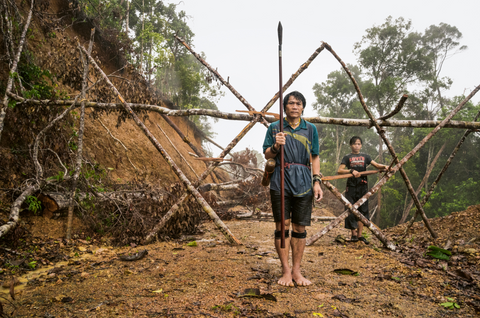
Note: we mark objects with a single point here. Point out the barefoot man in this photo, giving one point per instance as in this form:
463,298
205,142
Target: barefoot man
300,140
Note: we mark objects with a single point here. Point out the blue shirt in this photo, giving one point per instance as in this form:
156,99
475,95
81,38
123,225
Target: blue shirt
301,142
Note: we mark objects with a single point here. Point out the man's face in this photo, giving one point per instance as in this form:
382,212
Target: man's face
294,108
356,146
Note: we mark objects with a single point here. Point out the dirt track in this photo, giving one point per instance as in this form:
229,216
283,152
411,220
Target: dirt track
177,280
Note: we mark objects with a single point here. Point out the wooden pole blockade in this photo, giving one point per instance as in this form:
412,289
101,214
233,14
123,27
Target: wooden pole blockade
233,143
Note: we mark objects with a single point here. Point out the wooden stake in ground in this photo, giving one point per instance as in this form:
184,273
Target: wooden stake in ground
206,207
353,209
406,212
81,128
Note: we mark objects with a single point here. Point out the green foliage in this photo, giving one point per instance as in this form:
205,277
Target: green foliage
451,304
438,253
227,308
32,264
38,83
33,203
58,177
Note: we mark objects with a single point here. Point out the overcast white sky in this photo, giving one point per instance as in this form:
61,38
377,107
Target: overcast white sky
239,38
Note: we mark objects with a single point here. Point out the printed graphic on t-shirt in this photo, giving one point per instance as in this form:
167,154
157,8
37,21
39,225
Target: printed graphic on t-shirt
357,162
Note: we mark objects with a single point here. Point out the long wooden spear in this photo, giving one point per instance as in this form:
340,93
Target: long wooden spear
282,157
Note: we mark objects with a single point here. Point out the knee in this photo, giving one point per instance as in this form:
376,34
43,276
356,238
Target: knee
299,235
278,234
298,228
278,225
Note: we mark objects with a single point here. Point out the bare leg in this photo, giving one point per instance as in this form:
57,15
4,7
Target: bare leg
298,246
360,228
286,279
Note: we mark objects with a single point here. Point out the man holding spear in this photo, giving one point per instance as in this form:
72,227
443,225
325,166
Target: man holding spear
300,141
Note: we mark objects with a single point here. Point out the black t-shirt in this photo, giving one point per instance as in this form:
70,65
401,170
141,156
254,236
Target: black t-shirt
357,162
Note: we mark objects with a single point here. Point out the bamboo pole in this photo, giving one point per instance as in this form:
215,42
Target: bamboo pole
381,132
220,78
455,124
13,70
185,139
78,164
232,144
206,207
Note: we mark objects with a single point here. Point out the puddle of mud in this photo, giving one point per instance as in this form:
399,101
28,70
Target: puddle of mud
23,280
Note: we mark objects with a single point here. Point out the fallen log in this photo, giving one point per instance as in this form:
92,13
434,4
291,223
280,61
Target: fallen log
228,186
53,202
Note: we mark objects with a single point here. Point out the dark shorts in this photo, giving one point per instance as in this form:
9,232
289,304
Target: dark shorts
353,194
299,210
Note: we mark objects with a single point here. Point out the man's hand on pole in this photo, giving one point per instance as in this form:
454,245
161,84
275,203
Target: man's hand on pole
280,139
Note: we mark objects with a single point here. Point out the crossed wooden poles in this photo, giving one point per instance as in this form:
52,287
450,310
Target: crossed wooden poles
397,165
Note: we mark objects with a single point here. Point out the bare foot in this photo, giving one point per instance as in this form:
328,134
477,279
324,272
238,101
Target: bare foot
300,280
286,280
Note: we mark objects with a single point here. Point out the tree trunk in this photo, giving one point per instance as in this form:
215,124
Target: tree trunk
13,70
128,15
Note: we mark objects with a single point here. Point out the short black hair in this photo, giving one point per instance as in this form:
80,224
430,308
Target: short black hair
297,95
354,139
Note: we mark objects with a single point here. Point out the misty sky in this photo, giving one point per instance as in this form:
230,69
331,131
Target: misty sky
239,38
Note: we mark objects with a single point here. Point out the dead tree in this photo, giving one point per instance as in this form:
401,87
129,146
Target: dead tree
78,163
13,70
